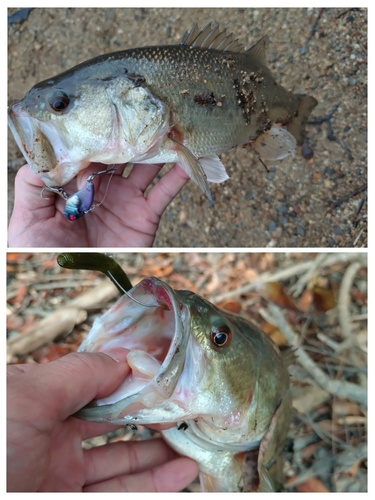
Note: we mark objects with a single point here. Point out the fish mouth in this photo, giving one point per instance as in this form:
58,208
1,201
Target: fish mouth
42,146
22,128
155,328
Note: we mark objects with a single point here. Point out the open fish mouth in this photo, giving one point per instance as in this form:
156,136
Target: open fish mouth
154,327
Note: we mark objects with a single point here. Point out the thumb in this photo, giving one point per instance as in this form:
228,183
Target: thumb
54,391
85,376
27,192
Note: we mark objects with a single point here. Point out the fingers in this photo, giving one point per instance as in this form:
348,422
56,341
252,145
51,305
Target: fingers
143,174
170,476
60,388
121,458
27,196
29,209
28,187
88,376
166,189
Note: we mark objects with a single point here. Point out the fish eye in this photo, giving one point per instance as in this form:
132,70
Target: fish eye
59,101
221,335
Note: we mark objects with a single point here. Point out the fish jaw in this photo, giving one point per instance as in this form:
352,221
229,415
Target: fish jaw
43,147
157,337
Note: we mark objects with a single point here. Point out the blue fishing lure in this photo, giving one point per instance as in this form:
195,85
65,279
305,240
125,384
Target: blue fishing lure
81,202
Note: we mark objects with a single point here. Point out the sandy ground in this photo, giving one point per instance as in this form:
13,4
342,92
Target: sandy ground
291,206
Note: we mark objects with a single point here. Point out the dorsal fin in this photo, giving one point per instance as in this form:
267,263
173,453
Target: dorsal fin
259,50
210,37
289,355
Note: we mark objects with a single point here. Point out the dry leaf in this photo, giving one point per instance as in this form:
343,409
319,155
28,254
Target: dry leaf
312,485
230,305
276,293
323,299
305,302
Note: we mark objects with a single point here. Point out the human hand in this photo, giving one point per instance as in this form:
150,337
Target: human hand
126,218
44,442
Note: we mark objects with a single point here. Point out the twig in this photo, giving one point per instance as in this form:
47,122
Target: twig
330,134
295,270
324,434
335,346
357,237
341,462
348,196
315,25
335,387
346,11
268,276
343,305
359,208
343,308
52,285
297,288
60,322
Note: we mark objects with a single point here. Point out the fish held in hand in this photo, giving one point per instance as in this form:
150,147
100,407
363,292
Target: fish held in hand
181,103
217,377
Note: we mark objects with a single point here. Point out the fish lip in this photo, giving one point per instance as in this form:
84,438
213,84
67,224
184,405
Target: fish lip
148,291
20,124
51,167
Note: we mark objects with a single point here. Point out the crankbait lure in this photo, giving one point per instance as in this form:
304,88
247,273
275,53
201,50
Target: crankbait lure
81,202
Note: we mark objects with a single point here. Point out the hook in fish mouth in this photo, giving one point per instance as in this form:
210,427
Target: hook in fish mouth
157,341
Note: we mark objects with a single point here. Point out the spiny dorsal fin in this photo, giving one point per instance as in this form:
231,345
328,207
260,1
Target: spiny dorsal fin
289,356
210,37
259,50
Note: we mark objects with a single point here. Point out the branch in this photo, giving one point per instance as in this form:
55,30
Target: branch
336,387
60,322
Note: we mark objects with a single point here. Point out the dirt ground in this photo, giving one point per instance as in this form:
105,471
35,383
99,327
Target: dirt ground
321,53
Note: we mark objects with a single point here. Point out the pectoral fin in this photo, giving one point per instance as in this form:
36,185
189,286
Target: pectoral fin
270,458
192,167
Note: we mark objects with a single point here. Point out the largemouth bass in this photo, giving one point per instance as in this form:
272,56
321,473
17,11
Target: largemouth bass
213,374
181,103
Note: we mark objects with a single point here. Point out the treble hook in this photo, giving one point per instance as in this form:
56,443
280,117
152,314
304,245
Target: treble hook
55,189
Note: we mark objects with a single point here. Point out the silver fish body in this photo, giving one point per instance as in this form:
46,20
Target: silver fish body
185,103
215,375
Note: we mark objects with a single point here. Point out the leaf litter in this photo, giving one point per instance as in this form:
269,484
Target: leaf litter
316,302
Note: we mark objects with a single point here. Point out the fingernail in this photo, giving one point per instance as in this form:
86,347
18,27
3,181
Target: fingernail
119,354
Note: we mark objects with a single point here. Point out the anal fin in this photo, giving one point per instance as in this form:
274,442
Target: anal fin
213,169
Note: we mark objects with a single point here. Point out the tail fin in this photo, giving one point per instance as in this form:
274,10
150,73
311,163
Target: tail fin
306,105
